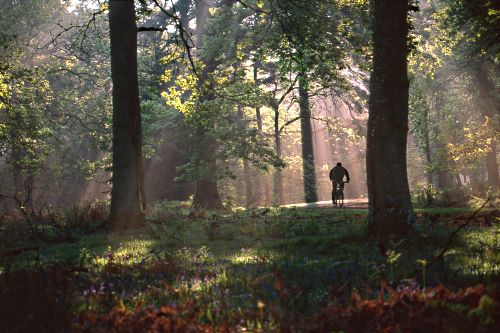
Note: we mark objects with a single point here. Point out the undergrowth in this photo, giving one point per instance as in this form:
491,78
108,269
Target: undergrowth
264,270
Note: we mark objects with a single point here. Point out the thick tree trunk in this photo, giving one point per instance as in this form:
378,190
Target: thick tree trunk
308,165
127,192
489,109
390,208
207,193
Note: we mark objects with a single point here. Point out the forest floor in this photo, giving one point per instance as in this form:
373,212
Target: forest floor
359,203
287,269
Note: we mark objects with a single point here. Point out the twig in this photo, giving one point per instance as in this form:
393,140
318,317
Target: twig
183,34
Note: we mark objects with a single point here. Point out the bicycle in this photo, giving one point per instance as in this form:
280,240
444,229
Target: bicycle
338,194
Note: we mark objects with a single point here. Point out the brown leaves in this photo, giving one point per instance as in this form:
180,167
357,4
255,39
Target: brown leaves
170,318
481,219
434,310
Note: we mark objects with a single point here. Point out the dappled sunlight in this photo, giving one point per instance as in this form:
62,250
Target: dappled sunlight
165,166
254,256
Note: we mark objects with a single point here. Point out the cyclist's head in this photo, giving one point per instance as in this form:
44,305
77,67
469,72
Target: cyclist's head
339,164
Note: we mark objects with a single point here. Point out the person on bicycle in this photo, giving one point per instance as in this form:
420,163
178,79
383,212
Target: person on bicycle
337,175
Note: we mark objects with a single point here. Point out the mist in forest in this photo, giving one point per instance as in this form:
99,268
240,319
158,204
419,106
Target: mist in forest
249,166
243,149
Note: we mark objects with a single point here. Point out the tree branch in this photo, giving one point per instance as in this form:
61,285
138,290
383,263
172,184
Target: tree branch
187,42
141,29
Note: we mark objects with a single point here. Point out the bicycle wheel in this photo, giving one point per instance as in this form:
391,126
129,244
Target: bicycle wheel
336,200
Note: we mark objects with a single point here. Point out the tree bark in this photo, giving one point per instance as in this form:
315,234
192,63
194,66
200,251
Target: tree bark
428,155
207,193
249,196
260,184
427,146
390,208
17,172
308,165
489,109
278,175
444,179
127,193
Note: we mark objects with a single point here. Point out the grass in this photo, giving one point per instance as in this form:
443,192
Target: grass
288,260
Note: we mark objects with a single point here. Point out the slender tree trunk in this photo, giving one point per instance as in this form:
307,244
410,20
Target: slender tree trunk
278,175
427,146
489,109
249,196
428,156
260,183
17,172
444,179
127,192
256,82
308,165
390,208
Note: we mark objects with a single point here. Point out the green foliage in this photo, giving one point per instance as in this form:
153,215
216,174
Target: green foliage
158,122
24,128
449,106
208,109
475,24
474,146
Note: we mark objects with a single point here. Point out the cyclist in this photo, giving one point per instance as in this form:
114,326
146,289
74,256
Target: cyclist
337,175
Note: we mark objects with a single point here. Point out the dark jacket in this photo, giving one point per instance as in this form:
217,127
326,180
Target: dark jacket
337,174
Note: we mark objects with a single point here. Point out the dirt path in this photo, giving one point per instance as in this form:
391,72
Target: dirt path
360,203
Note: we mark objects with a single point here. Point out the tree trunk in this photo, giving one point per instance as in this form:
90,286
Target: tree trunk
427,146
127,193
17,172
278,175
207,193
249,196
489,109
428,155
308,165
260,184
443,178
390,208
